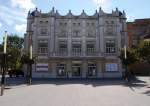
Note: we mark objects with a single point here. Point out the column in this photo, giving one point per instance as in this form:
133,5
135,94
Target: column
99,69
83,38
69,69
97,45
54,73
84,68
52,36
101,34
69,38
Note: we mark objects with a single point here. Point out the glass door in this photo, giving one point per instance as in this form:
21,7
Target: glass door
92,72
76,70
61,70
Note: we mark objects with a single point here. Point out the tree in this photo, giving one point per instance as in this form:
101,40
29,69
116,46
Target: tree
132,56
25,58
144,51
130,59
14,47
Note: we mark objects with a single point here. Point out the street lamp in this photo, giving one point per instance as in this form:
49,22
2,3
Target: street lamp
4,64
30,58
126,64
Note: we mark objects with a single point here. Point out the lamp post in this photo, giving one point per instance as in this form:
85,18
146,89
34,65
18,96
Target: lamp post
30,58
126,67
4,64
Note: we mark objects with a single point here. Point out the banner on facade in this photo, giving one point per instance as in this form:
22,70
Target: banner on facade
42,67
111,67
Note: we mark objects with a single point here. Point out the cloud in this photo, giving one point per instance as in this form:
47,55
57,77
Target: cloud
14,12
0,24
10,17
23,4
20,28
106,4
130,17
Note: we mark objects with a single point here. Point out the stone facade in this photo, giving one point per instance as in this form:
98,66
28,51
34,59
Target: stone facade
74,46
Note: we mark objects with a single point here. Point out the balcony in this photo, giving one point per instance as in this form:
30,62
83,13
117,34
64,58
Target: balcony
60,53
42,51
110,54
91,52
76,52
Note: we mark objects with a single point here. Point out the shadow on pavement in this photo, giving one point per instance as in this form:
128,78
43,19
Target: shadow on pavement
147,92
39,81
16,81
138,83
94,82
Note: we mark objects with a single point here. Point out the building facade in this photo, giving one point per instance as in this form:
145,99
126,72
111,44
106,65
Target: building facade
137,30
72,46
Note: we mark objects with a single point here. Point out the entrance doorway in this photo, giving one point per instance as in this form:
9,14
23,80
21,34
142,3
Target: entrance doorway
92,71
76,70
61,70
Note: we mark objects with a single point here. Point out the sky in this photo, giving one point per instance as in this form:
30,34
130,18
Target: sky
13,13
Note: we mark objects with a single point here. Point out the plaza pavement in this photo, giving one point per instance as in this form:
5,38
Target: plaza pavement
108,92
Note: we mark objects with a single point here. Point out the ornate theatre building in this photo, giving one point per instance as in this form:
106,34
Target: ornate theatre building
76,46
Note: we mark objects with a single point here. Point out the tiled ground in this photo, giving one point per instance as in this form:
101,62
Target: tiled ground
77,93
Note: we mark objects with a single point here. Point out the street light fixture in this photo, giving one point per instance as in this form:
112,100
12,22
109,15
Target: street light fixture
29,78
4,64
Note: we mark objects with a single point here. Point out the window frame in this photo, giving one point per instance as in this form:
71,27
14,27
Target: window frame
110,46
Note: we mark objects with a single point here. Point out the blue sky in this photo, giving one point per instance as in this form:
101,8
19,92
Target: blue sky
13,13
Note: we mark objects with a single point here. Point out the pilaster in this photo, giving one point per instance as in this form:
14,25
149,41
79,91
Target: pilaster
69,68
84,68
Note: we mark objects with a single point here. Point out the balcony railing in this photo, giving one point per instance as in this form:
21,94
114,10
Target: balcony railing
60,53
43,51
110,54
91,52
76,52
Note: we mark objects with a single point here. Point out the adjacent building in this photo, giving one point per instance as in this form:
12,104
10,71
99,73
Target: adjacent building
76,46
137,30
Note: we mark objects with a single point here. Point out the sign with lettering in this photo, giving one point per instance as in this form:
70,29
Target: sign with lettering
42,67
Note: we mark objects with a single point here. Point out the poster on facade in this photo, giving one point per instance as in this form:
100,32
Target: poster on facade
42,67
111,67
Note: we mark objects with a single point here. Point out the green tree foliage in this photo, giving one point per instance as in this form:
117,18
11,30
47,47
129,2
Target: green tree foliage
144,51
25,58
14,47
132,56
15,41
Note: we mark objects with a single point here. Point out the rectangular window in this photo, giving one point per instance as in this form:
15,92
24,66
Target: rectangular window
110,46
62,49
42,46
76,33
111,67
63,33
109,29
91,33
90,48
76,48
43,31
147,43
